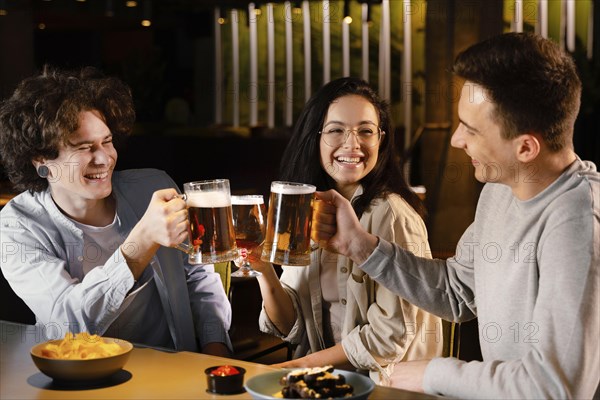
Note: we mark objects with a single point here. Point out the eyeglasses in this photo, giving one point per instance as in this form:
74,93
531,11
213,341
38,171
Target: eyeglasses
336,135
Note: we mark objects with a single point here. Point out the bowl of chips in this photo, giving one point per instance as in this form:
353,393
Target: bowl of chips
81,357
319,382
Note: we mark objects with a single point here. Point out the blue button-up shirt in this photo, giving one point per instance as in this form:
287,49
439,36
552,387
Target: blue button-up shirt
42,259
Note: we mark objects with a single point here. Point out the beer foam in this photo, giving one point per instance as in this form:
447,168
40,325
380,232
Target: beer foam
208,199
247,200
286,188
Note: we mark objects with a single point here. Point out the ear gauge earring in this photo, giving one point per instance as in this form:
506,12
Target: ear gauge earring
43,171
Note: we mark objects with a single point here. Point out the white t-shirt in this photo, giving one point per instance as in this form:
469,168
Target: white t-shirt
100,243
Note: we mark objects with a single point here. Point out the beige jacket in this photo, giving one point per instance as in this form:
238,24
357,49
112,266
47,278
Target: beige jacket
379,328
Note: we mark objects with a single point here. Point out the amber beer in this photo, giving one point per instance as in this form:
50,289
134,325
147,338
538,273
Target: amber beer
248,219
289,219
212,235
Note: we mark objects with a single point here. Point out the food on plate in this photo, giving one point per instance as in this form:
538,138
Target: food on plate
225,370
314,383
81,346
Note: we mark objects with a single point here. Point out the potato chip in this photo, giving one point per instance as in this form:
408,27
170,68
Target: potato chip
81,346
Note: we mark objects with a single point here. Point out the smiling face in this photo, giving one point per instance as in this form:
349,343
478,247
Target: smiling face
81,176
348,163
480,136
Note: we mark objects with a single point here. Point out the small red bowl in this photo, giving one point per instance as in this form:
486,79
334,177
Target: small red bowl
225,384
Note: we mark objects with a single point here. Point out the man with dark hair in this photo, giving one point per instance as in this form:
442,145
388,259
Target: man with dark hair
529,265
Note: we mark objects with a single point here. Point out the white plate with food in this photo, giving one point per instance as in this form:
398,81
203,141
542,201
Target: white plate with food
310,382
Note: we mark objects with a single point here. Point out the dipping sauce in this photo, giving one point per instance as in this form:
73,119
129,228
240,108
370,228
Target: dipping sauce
225,370
225,379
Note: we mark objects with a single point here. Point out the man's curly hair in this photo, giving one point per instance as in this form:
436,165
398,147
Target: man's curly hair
44,111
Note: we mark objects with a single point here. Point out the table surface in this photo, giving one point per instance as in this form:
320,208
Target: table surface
149,374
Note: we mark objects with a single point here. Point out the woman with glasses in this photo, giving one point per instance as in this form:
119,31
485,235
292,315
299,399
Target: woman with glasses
331,311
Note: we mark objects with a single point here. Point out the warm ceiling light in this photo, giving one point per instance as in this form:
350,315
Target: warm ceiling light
221,21
347,18
147,13
131,3
3,12
108,9
257,11
297,10
41,26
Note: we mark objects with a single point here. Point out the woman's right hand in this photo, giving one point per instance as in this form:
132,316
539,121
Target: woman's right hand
253,257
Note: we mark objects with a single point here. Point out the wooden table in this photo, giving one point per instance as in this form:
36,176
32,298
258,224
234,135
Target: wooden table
149,374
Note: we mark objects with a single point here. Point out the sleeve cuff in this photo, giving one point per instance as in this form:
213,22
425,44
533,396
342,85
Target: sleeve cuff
120,277
357,353
378,258
214,332
298,331
439,375
267,326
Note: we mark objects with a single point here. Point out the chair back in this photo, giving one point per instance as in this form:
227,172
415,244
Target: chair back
12,308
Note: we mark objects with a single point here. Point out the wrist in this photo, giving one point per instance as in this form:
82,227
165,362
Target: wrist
266,269
137,251
362,247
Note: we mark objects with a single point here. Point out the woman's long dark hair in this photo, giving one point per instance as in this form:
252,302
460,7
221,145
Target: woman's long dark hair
301,160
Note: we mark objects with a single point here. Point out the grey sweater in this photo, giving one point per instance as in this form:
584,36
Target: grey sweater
530,271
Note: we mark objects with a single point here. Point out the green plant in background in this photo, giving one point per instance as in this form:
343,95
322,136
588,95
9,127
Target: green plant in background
587,126
398,88
585,137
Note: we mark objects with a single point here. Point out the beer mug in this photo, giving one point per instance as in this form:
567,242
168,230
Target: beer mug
212,236
289,220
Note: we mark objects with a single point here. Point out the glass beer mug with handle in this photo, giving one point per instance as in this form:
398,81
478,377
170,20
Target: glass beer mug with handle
212,235
289,220
249,222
